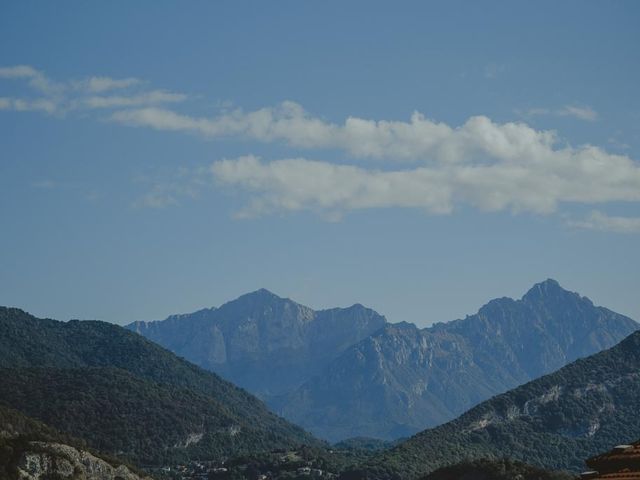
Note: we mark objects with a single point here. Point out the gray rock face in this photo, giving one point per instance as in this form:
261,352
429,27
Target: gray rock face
555,421
402,379
46,460
345,373
266,344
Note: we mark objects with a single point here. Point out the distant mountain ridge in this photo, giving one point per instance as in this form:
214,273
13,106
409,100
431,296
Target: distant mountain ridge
261,342
402,379
344,373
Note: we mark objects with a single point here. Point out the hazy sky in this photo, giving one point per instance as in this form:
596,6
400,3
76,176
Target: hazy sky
420,158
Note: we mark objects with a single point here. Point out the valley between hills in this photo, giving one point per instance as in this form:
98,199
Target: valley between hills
265,388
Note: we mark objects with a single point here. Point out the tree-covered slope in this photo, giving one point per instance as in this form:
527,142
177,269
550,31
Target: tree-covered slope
121,414
503,469
15,424
29,449
556,421
72,349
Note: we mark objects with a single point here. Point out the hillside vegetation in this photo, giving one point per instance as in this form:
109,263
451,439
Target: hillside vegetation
30,449
126,395
554,422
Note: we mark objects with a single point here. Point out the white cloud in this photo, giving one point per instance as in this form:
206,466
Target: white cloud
147,98
488,165
168,190
83,94
484,164
156,198
580,112
480,163
419,139
36,79
602,222
288,122
103,84
301,184
19,71
21,105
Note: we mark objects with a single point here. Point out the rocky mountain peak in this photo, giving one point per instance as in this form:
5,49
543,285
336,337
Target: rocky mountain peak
262,294
548,290
255,304
401,327
402,378
357,310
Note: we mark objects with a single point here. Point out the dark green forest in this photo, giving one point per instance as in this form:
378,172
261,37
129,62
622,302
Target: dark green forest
503,469
127,396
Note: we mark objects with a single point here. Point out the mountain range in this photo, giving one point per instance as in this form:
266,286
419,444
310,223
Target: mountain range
73,392
344,373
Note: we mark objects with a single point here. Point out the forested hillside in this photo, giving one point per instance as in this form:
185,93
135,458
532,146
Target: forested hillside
124,394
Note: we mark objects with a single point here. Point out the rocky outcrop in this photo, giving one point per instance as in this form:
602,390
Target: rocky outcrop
43,460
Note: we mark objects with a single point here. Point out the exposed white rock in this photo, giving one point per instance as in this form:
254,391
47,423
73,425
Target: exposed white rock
45,459
191,439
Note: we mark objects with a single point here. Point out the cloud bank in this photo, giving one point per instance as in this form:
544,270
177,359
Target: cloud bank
418,163
301,184
429,165
419,139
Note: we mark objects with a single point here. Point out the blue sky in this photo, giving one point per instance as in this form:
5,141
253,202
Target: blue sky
420,158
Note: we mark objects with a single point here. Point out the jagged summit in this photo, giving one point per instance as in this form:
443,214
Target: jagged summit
393,378
549,289
356,309
402,378
261,293
549,283
550,292
356,306
263,342
262,296
201,312
263,306
401,326
555,421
